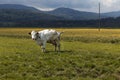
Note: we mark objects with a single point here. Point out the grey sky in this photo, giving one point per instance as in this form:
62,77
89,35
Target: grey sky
84,5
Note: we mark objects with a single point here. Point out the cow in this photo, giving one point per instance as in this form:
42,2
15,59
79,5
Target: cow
47,36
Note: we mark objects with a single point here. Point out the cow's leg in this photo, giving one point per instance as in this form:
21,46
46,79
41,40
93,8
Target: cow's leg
55,44
43,49
43,46
58,45
55,47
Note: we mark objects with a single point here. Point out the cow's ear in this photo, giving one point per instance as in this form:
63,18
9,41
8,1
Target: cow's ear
29,33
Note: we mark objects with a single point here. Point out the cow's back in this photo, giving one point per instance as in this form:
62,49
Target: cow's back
49,34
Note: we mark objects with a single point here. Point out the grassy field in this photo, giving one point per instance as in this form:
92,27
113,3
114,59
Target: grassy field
87,54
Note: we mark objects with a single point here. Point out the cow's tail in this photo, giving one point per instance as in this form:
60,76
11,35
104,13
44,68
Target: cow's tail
59,37
61,33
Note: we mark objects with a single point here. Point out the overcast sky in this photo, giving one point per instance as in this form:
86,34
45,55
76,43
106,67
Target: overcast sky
83,5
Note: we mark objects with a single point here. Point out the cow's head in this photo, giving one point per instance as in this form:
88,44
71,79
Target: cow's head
34,35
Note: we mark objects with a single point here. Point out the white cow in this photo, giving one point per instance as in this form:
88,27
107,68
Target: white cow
47,36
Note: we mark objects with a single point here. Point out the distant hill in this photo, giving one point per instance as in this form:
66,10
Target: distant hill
18,7
21,12
72,14
20,15
62,13
112,14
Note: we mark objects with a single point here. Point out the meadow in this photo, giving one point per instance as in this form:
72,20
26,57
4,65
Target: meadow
86,54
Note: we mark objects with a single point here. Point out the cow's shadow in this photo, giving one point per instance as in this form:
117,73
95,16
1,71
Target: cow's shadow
62,51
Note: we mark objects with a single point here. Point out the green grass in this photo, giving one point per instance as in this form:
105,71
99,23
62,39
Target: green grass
22,59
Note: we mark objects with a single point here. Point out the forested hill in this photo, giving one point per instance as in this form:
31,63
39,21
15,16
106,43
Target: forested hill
71,14
18,7
14,15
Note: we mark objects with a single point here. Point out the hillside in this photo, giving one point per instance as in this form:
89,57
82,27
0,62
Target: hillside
57,14
72,14
13,12
18,7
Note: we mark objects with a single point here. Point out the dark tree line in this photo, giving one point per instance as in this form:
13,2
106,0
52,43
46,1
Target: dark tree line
105,23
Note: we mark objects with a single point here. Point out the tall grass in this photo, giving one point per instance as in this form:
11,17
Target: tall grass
86,55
